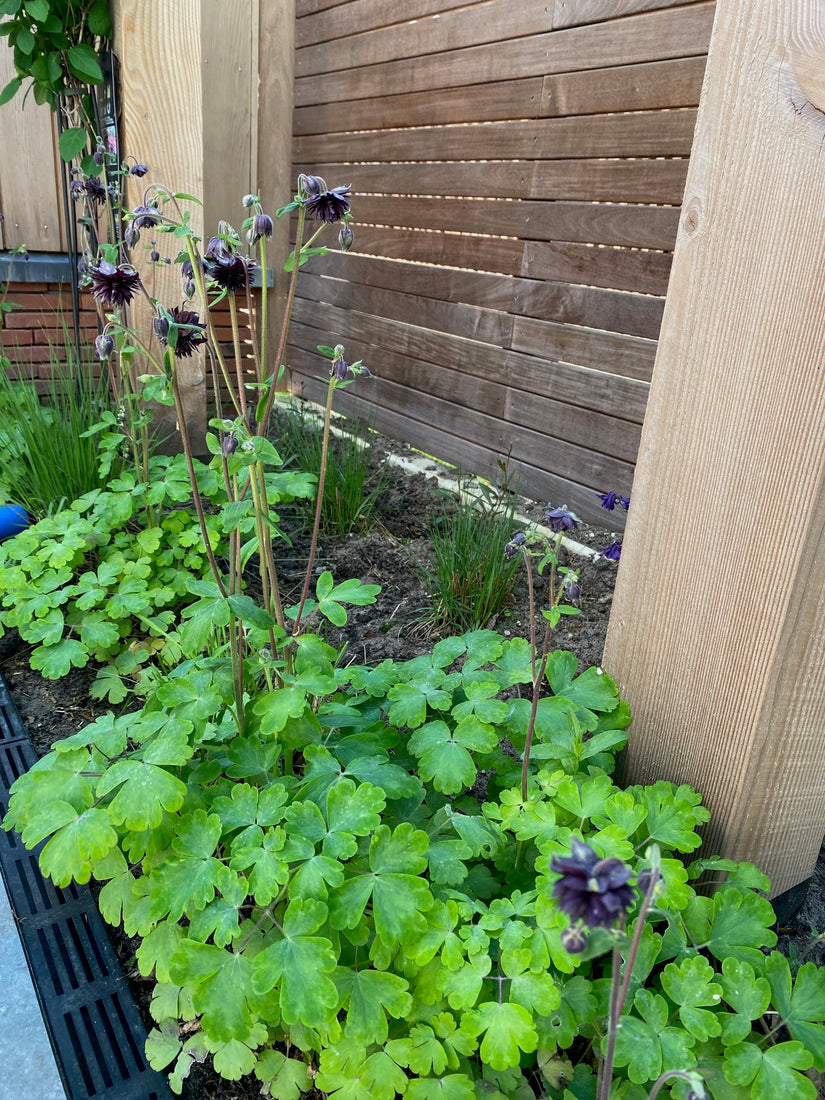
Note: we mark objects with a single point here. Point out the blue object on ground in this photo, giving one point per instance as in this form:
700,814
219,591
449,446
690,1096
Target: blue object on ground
13,519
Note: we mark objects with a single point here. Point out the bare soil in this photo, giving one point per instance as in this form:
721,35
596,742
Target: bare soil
398,626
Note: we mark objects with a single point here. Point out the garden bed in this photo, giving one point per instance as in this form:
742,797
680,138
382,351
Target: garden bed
397,626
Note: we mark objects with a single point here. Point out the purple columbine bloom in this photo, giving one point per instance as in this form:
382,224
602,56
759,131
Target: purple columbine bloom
77,189
514,545
191,333
116,286
326,204
561,519
261,227
592,890
231,272
609,500
572,589
138,170
625,502
614,551
145,217
229,445
339,368
95,190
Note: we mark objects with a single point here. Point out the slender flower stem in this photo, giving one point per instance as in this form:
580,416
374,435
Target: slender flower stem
318,505
290,299
260,346
659,1084
236,345
197,274
531,595
531,725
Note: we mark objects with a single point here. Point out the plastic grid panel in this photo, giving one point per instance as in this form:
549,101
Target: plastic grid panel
93,1023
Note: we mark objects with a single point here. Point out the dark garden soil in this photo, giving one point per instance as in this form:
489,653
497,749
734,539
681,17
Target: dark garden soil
399,626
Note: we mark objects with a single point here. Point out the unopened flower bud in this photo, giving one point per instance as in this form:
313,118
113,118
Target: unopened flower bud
249,200
189,289
574,939
154,256
645,877
99,155
346,238
229,445
339,368
261,227
310,187
131,236
104,345
572,589
514,545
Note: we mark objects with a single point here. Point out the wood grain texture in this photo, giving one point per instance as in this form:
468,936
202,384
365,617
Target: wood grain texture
363,15
625,88
32,213
574,13
655,36
637,134
717,634
637,270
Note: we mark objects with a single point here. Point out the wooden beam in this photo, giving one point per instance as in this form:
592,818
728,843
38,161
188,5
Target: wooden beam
717,634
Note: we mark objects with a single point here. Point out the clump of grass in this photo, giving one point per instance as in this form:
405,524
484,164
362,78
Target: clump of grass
470,578
351,487
45,456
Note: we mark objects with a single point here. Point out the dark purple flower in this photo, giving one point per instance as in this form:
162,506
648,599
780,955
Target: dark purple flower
572,589
231,272
99,154
145,217
139,170
614,551
261,227
95,190
154,256
77,190
625,502
229,445
609,500
190,331
326,204
561,519
574,939
116,286
592,890
339,368
104,345
514,545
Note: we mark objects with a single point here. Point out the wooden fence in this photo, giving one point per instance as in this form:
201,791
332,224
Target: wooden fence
517,171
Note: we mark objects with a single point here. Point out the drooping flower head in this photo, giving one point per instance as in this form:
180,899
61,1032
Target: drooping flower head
325,204
230,271
190,332
262,226
592,890
138,170
114,285
572,588
145,217
609,500
95,190
104,345
346,238
613,552
561,519
514,545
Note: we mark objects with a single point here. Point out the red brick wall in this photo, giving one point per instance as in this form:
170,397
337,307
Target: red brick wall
32,334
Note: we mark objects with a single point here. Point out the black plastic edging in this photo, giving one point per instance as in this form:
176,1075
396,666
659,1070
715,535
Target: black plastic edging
91,1018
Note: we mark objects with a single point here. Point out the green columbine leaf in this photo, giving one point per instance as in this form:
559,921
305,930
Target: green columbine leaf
576,1012
801,1007
145,792
455,1086
594,690
691,987
583,797
222,987
443,760
369,996
647,1046
300,966
771,1072
77,845
399,897
747,995
163,1045
286,1078
507,1028
55,661
409,702
673,814
731,924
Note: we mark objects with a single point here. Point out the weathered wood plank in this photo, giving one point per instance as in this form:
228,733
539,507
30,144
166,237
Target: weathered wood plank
362,15
588,223
677,32
497,254
489,21
728,515
638,270
504,99
355,277
574,13
638,134
627,355
595,388
625,88
633,180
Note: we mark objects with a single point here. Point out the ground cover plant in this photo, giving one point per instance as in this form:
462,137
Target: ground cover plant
406,878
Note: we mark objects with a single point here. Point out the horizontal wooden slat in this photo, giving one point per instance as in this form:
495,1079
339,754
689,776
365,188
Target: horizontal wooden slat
625,88
601,388
627,355
489,21
312,7
677,32
638,134
632,180
360,15
526,447
497,254
349,280
588,223
470,456
619,268
573,13
505,99
575,425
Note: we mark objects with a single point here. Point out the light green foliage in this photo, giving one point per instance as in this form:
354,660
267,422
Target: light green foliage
406,942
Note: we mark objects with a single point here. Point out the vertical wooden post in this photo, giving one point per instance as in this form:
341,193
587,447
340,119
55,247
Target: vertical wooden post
717,634
189,76
275,175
